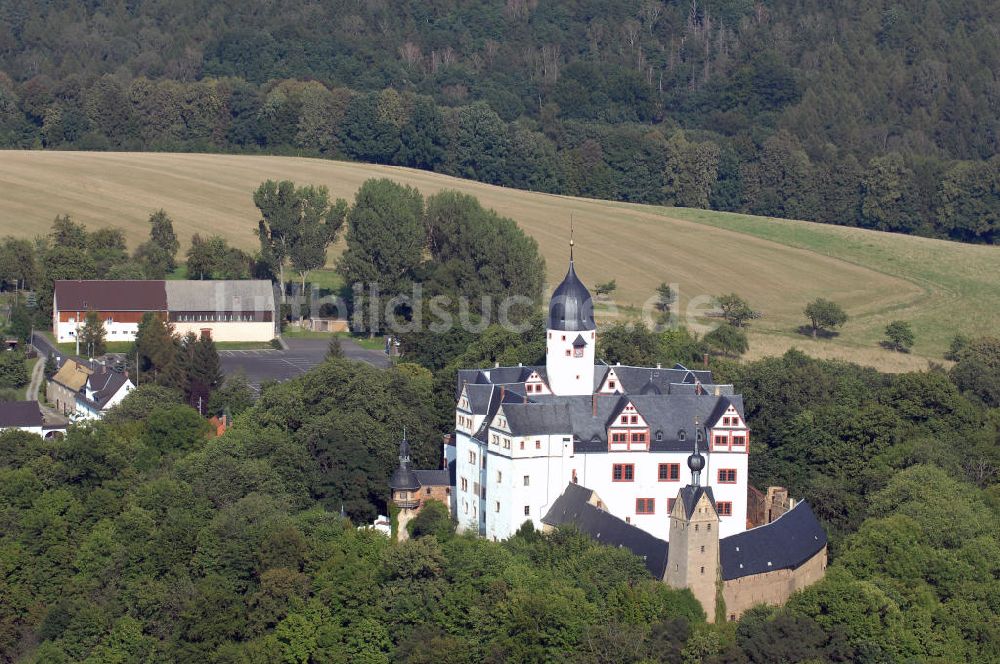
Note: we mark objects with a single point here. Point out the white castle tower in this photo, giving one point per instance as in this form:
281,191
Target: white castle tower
571,337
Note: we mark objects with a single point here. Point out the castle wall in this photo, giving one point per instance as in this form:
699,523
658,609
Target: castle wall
771,587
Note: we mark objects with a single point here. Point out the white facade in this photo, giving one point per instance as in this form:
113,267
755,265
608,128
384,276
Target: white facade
67,331
524,475
89,410
228,331
522,434
569,360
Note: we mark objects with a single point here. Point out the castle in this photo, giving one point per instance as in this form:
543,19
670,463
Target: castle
637,457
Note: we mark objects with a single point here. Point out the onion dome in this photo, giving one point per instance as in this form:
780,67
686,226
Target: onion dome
571,307
696,462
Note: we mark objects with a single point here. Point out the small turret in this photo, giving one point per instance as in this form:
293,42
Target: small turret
571,336
404,482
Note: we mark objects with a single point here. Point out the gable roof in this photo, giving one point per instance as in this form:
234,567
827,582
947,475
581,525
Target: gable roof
20,414
785,543
105,385
220,295
72,374
437,477
109,295
574,507
691,495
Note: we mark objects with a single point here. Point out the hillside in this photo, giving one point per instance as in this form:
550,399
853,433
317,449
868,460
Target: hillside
880,114
943,288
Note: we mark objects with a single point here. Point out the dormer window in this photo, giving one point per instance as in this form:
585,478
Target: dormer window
659,435
682,435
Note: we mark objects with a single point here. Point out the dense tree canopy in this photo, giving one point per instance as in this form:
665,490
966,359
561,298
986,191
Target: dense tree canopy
880,116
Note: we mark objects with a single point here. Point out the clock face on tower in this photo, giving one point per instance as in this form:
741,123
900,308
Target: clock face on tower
578,352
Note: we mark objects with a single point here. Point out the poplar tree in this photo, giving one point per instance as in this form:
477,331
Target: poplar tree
93,335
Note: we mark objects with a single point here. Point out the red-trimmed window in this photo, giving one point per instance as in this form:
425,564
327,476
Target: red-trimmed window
639,437
727,476
611,384
724,508
669,472
619,437
634,419
739,441
721,441
624,419
725,421
623,472
645,505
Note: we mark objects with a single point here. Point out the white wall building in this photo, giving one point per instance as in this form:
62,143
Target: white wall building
523,433
227,310
103,390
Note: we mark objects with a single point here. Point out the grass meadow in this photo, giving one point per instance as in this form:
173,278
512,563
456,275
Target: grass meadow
941,288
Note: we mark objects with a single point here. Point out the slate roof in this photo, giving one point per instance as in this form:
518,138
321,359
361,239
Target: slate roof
20,414
690,495
667,415
230,295
573,507
571,307
109,295
437,477
105,384
785,543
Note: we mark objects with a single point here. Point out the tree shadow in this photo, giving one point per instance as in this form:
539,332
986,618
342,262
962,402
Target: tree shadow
888,345
806,330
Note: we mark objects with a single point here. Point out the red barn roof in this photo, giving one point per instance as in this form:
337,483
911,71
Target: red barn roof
101,295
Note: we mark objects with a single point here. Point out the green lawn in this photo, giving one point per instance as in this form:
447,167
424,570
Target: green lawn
326,279
242,345
179,274
378,343
959,283
293,332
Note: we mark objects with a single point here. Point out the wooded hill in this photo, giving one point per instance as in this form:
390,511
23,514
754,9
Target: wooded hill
882,115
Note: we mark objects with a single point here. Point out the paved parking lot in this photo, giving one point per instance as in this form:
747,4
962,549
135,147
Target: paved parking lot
301,356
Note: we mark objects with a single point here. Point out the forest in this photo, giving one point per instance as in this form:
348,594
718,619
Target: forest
882,115
144,538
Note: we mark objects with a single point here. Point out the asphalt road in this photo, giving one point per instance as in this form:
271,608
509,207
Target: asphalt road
268,364
301,356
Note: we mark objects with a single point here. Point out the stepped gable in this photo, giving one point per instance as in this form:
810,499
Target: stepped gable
575,506
785,543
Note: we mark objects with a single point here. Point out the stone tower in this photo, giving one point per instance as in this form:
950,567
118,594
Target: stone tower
405,489
693,556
